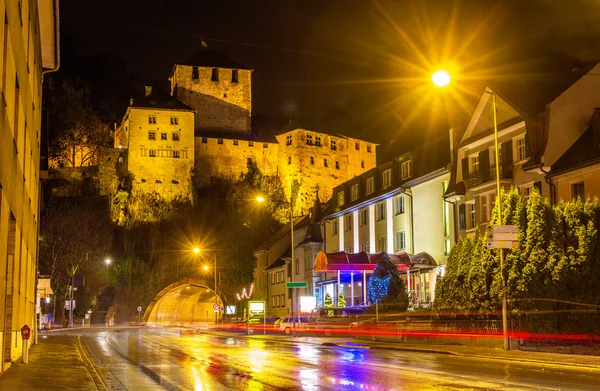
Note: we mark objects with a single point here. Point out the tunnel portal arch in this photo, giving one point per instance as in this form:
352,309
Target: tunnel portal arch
186,301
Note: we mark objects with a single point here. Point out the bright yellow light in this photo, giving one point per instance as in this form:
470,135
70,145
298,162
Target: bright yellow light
205,267
260,199
196,250
441,78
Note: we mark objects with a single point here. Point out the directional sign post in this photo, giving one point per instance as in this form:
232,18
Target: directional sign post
296,284
502,236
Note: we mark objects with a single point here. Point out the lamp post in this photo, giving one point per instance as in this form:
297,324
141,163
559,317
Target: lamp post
442,78
261,199
205,267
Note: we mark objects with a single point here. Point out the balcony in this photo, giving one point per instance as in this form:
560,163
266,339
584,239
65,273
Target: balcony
481,176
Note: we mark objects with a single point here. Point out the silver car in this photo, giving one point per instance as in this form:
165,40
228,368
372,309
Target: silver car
287,324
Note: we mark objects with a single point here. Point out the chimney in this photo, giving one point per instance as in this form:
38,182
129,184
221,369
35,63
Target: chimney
148,90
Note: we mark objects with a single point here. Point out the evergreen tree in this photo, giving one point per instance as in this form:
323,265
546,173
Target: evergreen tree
328,300
341,300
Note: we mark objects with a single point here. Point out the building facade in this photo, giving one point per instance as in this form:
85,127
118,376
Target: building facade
396,208
29,49
158,133
537,122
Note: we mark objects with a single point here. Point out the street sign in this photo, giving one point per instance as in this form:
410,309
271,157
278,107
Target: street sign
230,310
139,309
215,307
505,232
256,307
502,244
68,304
296,284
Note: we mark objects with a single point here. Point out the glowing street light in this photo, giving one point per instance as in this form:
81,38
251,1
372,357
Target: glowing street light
107,261
260,199
205,267
196,250
441,78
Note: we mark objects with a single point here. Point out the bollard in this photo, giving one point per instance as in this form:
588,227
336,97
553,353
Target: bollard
25,334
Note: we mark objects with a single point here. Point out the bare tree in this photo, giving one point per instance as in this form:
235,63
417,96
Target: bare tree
76,236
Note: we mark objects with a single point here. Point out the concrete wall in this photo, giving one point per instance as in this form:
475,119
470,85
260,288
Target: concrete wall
570,114
148,170
19,171
228,160
219,105
590,176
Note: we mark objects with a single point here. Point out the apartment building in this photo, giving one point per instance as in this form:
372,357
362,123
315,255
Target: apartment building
29,45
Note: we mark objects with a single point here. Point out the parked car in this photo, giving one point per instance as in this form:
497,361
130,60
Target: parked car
258,322
332,319
287,325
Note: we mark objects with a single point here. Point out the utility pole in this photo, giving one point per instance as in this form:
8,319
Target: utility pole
71,303
499,200
216,296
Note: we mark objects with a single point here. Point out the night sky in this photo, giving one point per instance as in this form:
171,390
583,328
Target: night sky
367,62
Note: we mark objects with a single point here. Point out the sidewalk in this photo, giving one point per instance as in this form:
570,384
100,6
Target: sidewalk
56,363
543,358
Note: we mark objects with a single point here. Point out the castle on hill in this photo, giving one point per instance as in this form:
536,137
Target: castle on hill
202,130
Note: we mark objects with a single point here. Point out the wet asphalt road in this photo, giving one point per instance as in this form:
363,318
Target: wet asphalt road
149,359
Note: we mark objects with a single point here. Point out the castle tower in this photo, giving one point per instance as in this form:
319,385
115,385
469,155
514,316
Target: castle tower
218,88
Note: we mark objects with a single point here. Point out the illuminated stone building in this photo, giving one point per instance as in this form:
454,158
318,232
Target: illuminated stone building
28,45
217,92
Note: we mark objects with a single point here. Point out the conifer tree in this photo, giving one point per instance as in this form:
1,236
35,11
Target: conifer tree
341,300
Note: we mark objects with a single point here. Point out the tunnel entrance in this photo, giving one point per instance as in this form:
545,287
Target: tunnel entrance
183,302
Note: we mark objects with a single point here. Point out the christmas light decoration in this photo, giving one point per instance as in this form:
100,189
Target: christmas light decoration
245,295
378,287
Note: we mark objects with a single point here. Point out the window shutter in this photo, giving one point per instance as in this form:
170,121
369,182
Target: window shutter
465,167
484,165
527,147
507,159
462,216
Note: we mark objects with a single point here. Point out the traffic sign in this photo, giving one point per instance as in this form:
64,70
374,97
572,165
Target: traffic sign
296,284
139,309
215,307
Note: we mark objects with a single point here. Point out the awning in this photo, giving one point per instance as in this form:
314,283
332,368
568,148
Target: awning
331,262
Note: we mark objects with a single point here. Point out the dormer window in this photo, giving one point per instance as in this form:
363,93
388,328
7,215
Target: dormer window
369,148
288,139
354,192
214,76
234,76
340,198
309,139
318,141
387,178
406,169
370,185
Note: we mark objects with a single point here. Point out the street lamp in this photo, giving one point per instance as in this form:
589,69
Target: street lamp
442,78
261,199
206,267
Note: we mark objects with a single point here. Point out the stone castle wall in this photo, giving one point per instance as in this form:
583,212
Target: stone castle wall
219,105
228,160
165,172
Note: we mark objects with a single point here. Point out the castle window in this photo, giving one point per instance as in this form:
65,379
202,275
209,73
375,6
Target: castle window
151,119
152,152
235,142
357,146
337,165
174,120
151,135
325,163
333,145
143,180
289,160
204,140
234,76
318,141
288,139
175,136
220,141
309,139
265,145
369,148
362,164
312,160
163,136
175,182
250,143
215,74
176,154
195,73
158,181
